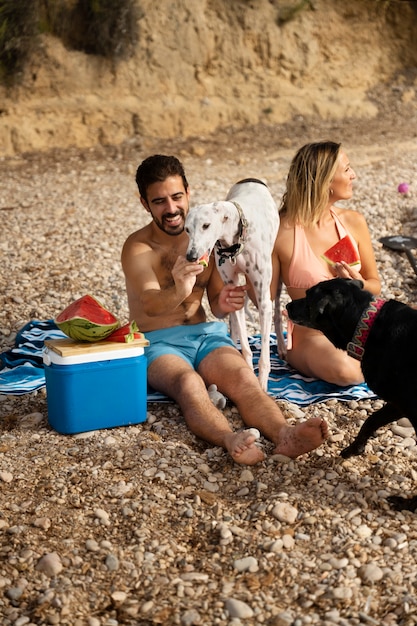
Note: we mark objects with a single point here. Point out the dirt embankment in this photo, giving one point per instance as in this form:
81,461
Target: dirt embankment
221,65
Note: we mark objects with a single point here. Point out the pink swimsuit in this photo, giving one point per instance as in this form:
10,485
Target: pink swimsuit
306,269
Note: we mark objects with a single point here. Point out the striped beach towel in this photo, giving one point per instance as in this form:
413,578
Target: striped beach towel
21,371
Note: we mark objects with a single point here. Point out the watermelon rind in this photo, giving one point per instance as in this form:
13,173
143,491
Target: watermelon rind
343,254
330,262
80,327
126,334
204,260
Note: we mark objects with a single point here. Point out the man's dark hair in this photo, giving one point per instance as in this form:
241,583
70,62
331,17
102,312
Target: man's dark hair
158,168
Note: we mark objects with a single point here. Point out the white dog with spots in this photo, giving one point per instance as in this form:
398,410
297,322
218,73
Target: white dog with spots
242,230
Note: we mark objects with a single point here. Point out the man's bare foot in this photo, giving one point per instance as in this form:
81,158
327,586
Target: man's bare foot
242,447
302,438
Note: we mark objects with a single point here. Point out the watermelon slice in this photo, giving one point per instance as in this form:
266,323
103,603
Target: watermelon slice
343,250
204,260
126,334
87,319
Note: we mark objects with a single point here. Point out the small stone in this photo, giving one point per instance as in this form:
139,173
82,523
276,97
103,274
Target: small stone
370,573
103,516
42,522
342,593
50,564
288,541
112,562
6,477
276,546
31,420
247,564
283,619
14,593
118,597
190,618
239,609
195,577
246,476
402,431
363,531
284,512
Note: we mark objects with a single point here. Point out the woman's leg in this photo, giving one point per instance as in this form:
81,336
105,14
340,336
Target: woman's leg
312,354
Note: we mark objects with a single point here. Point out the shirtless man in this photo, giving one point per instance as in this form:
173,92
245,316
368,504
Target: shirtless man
187,353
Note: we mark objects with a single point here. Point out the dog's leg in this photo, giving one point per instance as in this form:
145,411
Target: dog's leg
281,346
239,323
403,504
265,322
387,414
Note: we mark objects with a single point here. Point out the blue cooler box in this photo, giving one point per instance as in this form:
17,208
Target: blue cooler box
94,385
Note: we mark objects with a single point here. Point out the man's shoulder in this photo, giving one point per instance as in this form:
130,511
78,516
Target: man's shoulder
140,236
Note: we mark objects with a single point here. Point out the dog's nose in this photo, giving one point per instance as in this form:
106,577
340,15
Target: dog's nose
191,256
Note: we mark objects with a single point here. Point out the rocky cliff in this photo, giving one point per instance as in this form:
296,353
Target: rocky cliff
201,65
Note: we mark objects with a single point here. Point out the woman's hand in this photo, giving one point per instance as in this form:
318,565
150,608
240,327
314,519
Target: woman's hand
344,270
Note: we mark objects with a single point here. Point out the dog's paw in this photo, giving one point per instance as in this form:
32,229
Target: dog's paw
354,449
403,504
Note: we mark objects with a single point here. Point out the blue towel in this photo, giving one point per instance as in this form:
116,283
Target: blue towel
21,370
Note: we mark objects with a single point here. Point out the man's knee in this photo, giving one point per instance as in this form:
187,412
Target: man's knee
188,381
242,378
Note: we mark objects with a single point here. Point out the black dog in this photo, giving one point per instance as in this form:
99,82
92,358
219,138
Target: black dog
382,334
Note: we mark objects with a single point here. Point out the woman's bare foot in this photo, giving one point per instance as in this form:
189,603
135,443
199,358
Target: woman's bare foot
302,438
242,447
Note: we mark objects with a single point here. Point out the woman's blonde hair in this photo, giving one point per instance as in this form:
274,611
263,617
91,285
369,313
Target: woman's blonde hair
308,182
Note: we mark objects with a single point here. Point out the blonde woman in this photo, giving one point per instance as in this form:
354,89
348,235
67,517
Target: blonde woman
320,175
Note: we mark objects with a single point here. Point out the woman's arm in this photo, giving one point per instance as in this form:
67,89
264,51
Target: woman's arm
356,224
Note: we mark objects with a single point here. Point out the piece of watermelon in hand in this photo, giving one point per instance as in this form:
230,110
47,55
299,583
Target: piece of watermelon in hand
204,260
343,250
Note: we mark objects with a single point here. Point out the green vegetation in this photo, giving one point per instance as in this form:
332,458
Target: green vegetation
18,29
287,12
104,27
108,28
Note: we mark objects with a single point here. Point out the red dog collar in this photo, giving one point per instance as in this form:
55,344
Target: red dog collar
356,347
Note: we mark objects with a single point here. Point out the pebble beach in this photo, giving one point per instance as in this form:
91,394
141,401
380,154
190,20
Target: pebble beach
145,524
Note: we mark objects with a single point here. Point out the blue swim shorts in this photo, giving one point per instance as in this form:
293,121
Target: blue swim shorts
191,343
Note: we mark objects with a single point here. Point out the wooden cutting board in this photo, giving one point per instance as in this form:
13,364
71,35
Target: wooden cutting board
68,347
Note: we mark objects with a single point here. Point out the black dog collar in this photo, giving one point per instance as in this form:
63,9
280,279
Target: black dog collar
232,251
356,347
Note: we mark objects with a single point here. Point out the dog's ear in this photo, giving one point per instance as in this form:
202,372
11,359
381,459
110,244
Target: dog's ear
359,283
321,305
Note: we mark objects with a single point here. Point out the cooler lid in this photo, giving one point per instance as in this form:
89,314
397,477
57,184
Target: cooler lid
69,352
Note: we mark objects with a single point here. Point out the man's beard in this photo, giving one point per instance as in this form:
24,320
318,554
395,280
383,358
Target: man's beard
165,226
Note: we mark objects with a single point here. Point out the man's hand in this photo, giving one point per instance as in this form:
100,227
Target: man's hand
232,297
184,274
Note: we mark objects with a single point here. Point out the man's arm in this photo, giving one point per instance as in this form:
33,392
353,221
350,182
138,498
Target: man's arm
224,299
144,285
